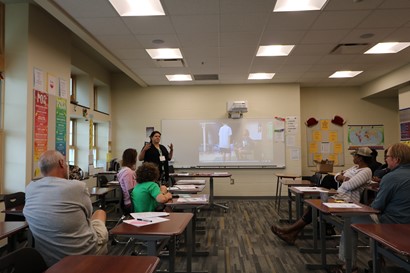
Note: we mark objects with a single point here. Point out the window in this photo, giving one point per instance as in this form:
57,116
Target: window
73,89
72,142
94,144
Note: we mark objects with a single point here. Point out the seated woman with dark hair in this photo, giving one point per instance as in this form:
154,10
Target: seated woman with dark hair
147,194
353,182
127,176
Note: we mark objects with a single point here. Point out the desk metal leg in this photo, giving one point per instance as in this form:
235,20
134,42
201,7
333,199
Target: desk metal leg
211,195
277,193
348,236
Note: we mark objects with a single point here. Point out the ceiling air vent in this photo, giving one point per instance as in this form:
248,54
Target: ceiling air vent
206,77
170,63
352,48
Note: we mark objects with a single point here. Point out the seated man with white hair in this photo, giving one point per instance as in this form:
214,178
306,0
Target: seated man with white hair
59,213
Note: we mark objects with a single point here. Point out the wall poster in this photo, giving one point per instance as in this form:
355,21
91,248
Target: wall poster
371,136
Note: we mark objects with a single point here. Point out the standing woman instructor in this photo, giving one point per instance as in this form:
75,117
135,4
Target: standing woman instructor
158,154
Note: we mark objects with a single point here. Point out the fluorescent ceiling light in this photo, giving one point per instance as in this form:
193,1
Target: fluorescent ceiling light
298,5
274,50
345,74
260,76
179,77
165,53
383,48
138,7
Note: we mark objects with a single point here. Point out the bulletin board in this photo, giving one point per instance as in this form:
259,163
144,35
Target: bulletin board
325,141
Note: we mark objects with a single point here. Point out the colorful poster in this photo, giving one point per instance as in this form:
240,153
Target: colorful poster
40,127
405,124
61,125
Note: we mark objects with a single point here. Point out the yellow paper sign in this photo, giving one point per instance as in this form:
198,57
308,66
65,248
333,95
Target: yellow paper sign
317,136
312,147
332,136
337,148
324,124
317,157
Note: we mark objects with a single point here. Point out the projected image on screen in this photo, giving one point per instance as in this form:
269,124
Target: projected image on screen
233,142
227,142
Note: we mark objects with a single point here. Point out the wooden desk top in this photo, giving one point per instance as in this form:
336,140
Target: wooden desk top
8,229
175,226
317,203
292,183
394,236
215,174
96,191
105,264
283,175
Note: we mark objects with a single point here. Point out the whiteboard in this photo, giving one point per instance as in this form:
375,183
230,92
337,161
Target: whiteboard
254,143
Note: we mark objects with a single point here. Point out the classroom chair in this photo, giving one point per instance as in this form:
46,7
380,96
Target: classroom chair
23,260
13,200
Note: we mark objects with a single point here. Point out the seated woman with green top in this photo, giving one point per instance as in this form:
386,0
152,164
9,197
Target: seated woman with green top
147,194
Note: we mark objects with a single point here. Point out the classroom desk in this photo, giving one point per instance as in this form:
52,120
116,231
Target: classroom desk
211,177
9,230
191,204
325,214
301,191
178,222
186,189
100,193
280,177
105,264
290,184
389,240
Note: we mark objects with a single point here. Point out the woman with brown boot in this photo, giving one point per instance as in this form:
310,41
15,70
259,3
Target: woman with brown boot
353,182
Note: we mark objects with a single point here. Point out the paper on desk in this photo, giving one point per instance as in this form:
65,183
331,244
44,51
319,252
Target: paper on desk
342,205
191,182
184,187
315,189
191,199
136,215
141,223
180,174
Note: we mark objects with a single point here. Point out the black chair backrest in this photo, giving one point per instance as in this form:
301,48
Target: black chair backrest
23,260
13,200
102,181
132,204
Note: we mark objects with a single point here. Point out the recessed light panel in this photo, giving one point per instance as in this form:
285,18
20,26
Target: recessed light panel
298,5
385,48
345,74
165,53
179,77
138,7
260,76
274,50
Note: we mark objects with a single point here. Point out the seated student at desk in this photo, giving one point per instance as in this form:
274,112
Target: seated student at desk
147,195
353,182
127,176
392,200
59,213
